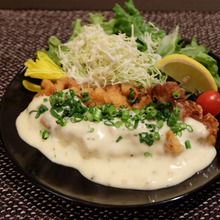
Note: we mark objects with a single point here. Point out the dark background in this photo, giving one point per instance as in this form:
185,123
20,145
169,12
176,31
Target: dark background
145,5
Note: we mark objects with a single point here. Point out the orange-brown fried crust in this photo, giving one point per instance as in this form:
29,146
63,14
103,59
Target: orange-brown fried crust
115,94
164,93
172,144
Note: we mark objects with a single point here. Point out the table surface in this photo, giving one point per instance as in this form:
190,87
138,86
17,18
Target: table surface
22,33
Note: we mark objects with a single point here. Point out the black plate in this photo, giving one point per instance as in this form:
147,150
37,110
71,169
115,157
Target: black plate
68,182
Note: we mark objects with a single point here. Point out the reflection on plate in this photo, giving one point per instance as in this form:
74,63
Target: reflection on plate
68,182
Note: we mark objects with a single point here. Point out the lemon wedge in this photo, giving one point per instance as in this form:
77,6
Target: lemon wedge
191,74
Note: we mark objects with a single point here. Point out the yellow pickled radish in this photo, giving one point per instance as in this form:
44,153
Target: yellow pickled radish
31,86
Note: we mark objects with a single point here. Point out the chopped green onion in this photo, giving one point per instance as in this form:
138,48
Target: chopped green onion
183,125
90,104
151,112
187,144
147,154
125,115
151,127
88,116
118,139
112,110
131,98
179,133
40,110
135,118
166,113
129,125
136,122
189,128
176,95
86,99
84,94
54,113
61,122
44,133
97,114
160,124
109,123
163,105
176,110
118,124
172,120
91,130
146,137
76,118
156,136
136,111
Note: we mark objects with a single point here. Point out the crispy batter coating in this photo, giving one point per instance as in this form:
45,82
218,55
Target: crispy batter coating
115,94
47,88
172,144
190,109
163,93
212,125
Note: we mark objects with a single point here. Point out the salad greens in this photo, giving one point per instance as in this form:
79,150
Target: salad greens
148,36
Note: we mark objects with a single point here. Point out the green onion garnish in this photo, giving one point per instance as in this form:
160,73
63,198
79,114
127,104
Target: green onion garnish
131,98
44,133
160,124
187,144
91,130
67,106
156,136
147,154
176,95
118,139
40,110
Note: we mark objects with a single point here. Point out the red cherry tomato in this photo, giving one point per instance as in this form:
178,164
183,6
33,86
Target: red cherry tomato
210,102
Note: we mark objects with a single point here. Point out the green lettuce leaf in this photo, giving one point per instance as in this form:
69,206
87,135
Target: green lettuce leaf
76,29
101,20
124,21
211,64
170,43
193,49
53,44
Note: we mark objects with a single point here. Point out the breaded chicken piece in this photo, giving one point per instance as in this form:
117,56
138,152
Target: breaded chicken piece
47,88
98,96
212,125
172,144
65,83
190,109
163,93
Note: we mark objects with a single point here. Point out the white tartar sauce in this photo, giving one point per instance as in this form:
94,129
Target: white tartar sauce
121,164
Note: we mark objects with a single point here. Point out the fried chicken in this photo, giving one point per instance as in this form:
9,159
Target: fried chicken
117,95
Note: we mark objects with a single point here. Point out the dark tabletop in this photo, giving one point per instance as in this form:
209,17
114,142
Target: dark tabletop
22,33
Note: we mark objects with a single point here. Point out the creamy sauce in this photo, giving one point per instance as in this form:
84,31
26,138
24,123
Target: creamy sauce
101,159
